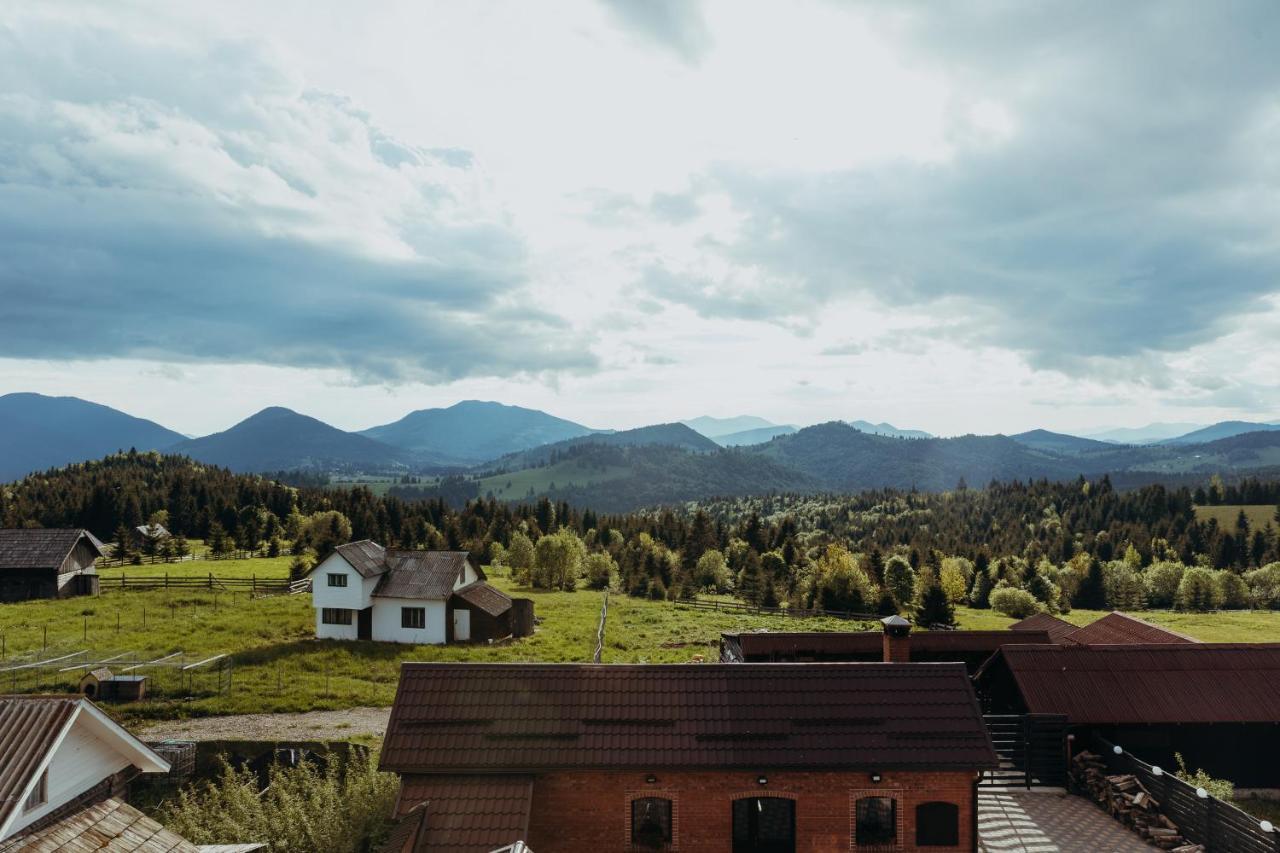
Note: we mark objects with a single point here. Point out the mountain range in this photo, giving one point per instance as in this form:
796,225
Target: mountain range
515,453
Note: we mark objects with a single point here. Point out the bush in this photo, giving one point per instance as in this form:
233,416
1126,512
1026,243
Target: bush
1197,591
1123,586
1161,580
1264,586
900,579
558,560
1223,789
839,583
600,570
712,572
1014,602
1233,592
345,808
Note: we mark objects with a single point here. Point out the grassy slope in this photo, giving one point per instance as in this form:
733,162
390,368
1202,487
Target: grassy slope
272,639
571,472
1259,515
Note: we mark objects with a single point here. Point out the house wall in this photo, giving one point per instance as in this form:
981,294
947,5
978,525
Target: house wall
79,764
386,621
81,559
467,576
590,811
355,596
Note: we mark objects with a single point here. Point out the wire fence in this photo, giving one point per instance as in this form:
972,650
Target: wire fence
1201,817
171,675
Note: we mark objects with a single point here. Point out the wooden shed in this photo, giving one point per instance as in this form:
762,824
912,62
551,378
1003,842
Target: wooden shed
102,685
48,563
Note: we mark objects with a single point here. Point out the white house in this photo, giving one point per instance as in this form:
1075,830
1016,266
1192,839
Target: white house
363,591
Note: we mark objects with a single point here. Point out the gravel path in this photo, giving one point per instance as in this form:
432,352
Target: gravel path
312,725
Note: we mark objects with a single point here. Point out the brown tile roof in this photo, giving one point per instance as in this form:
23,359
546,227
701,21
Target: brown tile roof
493,601
366,557
29,726
41,548
421,574
1117,627
460,814
869,645
513,718
1053,626
1159,683
109,825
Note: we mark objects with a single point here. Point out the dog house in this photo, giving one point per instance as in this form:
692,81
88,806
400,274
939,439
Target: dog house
104,686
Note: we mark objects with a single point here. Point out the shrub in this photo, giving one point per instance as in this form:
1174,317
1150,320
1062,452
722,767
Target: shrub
1264,586
558,560
344,808
1014,602
1197,591
1161,580
600,570
839,583
712,572
1123,586
1233,592
1223,789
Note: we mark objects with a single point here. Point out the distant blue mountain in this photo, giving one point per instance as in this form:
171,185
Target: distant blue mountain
887,429
717,427
752,436
1222,429
1057,442
39,432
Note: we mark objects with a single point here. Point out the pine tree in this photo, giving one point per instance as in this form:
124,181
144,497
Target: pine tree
124,543
1092,592
935,609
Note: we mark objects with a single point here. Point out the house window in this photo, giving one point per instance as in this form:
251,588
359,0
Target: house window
39,794
877,822
651,823
337,579
937,825
764,825
413,617
335,616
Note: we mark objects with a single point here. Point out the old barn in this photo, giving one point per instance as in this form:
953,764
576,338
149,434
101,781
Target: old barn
54,563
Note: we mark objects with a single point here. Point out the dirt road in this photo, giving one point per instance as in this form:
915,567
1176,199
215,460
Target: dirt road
312,725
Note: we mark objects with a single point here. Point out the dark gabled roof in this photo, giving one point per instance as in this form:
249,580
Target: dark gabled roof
1117,627
1158,683
870,644
40,548
460,814
365,556
1053,626
108,825
520,718
421,574
493,601
29,727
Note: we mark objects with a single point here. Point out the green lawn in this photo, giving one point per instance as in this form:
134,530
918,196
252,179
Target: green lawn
279,666
268,568
1259,515
575,472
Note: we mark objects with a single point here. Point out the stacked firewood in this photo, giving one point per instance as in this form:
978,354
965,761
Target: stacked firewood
1129,802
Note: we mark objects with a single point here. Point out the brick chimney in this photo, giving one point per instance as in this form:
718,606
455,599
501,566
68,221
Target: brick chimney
897,639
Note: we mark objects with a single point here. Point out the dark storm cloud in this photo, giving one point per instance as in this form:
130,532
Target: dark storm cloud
232,216
675,25
1132,208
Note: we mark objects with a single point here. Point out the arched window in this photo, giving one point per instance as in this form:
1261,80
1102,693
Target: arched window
651,823
937,825
877,821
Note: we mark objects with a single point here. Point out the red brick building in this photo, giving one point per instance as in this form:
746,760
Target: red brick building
762,758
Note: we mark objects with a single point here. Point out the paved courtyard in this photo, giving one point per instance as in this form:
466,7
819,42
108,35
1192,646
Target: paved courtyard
1032,822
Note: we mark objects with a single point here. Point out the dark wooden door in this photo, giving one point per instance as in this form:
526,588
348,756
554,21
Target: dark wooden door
764,825
364,624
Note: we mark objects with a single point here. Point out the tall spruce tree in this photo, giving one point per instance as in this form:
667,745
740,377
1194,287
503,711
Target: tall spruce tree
1092,592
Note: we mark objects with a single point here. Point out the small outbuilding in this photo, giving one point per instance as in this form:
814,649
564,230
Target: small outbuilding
102,685
48,563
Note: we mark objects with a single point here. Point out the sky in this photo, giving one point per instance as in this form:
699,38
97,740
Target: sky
979,217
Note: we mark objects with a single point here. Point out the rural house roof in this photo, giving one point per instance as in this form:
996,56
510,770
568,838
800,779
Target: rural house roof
1048,623
421,574
366,557
40,548
30,729
108,825
1117,627
868,644
518,718
151,531
491,600
1157,683
460,814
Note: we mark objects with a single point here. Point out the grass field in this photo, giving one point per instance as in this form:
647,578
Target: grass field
265,568
1259,515
518,484
279,666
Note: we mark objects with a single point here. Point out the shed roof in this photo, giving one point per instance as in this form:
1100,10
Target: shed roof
461,814
110,825
513,718
42,548
1155,683
1117,627
491,600
365,556
871,643
1053,626
421,574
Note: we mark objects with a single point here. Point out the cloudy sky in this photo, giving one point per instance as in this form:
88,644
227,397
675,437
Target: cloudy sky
958,217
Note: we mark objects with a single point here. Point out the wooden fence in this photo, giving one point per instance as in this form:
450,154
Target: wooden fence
757,610
253,586
1032,749
1207,820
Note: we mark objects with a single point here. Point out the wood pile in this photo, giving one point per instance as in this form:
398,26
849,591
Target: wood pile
1129,802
